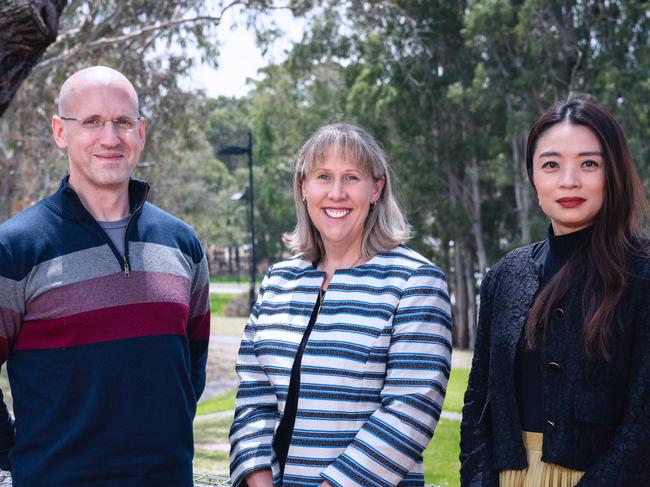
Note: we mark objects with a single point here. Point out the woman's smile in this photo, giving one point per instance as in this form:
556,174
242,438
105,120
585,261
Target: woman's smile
337,212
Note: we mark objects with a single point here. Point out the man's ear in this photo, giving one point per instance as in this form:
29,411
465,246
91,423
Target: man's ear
58,133
142,130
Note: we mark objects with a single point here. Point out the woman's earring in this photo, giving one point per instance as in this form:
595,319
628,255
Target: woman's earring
373,205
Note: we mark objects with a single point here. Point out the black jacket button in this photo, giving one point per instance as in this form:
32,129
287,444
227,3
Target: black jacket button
559,313
554,365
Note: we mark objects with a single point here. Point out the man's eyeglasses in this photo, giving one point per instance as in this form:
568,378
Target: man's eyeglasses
122,124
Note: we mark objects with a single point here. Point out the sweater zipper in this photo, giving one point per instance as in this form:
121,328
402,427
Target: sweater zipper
127,266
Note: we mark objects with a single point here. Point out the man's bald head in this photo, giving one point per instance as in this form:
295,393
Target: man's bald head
99,127
95,76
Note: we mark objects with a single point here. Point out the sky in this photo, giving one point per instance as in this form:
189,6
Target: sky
240,58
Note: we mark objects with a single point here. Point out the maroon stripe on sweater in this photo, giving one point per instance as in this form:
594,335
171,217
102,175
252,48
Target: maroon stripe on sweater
103,325
199,327
106,292
10,321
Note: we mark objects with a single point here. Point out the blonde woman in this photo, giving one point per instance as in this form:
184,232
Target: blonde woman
345,359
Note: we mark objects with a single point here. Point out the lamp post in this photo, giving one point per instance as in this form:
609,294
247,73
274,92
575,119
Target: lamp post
248,194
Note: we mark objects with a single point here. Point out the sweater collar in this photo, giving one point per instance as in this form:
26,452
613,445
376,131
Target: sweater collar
66,203
562,247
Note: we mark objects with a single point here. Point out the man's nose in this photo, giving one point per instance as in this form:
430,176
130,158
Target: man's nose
108,134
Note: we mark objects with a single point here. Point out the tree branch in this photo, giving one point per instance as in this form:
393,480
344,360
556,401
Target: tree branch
156,28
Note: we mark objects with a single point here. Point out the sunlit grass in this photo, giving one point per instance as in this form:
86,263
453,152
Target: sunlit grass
224,402
441,464
211,448
456,390
218,302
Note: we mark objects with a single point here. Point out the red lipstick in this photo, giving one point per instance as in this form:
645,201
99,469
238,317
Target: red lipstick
570,202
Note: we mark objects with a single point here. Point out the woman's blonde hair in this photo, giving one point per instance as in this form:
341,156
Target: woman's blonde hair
385,226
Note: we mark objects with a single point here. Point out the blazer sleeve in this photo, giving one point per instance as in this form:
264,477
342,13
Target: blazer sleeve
251,434
626,462
393,438
12,310
475,448
198,329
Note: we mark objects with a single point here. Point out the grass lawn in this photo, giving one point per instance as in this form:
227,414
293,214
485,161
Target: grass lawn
441,464
211,447
223,325
456,390
224,402
218,301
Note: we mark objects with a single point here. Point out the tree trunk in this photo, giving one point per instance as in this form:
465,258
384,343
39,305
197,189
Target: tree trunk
471,300
524,188
460,290
521,190
27,27
475,213
460,296
522,198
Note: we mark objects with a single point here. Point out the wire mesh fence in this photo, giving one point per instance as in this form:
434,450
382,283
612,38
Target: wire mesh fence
205,480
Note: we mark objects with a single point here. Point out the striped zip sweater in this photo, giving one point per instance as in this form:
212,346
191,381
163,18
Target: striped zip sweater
105,353
373,373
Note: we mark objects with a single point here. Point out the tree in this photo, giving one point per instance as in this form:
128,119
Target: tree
451,90
27,28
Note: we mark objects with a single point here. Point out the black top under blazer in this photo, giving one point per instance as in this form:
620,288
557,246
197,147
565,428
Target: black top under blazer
597,413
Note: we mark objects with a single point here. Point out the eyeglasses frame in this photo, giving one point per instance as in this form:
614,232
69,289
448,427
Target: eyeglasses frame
75,119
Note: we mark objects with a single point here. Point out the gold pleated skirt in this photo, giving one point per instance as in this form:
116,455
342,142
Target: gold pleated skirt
538,473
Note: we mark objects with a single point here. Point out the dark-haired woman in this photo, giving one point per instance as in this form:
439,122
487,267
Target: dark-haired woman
559,392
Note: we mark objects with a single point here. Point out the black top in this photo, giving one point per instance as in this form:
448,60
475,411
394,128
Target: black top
528,363
598,411
283,435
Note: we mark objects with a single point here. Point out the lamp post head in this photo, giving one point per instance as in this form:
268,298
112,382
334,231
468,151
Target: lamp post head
240,195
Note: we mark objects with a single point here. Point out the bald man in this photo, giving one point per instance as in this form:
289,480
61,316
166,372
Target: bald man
104,312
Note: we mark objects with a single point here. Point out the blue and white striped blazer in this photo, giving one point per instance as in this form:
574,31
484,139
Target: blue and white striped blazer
373,375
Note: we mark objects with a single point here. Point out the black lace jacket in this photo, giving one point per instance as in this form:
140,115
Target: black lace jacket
598,413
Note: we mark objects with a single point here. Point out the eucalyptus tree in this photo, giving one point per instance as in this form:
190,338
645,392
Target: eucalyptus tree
451,89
